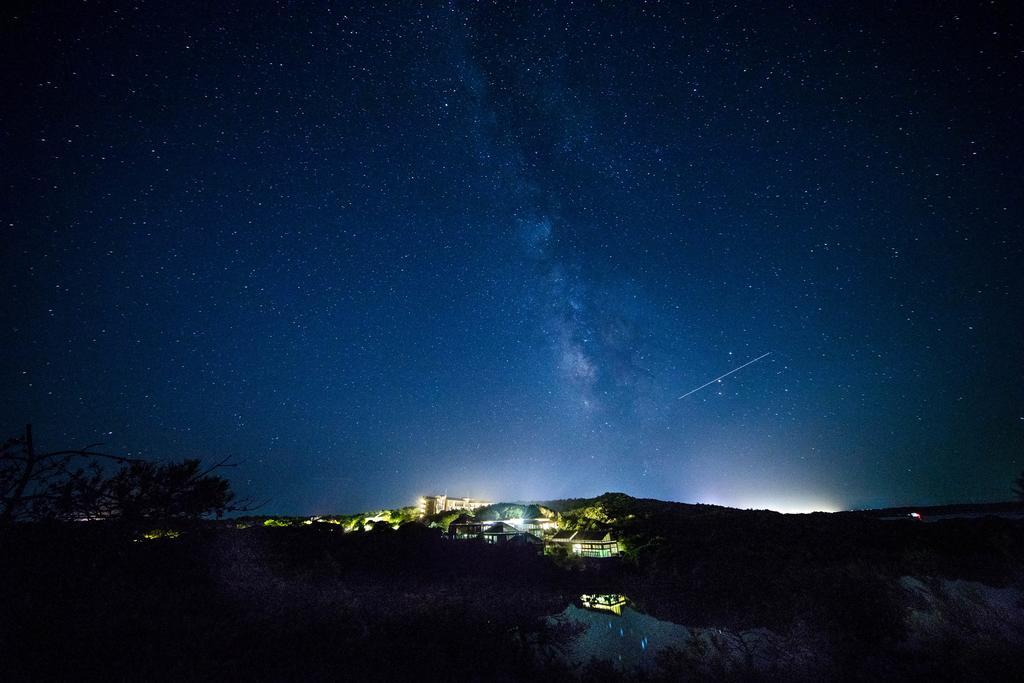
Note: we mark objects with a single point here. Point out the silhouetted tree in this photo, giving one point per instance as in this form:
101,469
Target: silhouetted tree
32,484
147,490
77,484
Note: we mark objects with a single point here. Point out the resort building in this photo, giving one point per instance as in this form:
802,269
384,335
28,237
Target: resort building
539,526
431,505
496,533
465,527
500,533
527,541
588,543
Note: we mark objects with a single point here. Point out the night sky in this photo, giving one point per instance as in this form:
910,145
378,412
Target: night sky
376,252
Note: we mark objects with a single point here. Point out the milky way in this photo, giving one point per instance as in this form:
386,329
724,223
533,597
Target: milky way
381,251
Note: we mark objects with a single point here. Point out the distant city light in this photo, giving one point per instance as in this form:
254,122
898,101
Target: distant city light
789,506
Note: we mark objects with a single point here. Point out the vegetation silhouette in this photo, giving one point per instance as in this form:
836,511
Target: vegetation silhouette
80,484
321,599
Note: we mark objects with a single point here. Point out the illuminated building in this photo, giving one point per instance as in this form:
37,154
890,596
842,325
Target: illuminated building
431,505
588,543
539,526
496,533
609,602
465,527
499,533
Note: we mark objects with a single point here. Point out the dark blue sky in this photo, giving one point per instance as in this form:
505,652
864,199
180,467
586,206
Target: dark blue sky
376,252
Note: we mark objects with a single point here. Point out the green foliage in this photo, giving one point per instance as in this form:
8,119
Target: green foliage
500,511
346,522
157,534
492,513
363,520
588,517
543,511
561,557
276,522
400,516
443,520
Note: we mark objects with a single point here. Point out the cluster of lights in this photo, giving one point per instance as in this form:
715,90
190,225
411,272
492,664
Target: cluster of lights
158,534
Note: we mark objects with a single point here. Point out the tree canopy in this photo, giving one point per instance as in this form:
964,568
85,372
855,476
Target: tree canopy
86,484
147,490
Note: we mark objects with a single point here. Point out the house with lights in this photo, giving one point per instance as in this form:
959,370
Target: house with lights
540,526
538,532
465,528
607,602
587,543
499,532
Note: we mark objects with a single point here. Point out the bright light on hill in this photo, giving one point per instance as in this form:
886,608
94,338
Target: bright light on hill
789,505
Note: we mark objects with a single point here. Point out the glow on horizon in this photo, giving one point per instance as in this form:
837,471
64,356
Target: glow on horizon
790,505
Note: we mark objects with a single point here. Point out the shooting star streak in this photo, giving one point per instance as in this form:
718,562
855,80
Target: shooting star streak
725,375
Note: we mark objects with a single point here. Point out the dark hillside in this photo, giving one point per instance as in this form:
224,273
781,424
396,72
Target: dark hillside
209,600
